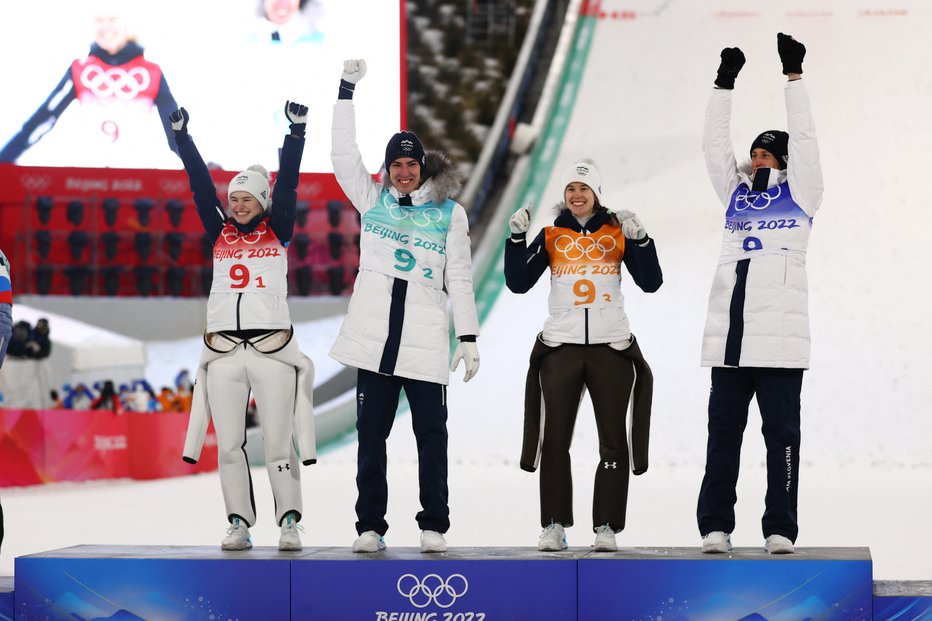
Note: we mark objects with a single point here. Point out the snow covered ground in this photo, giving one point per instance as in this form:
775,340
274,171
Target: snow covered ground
866,474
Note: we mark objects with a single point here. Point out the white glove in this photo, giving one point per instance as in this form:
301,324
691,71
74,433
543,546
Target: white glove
631,226
353,70
468,352
521,221
179,120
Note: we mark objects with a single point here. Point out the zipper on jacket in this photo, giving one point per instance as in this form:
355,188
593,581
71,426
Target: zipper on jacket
586,310
239,299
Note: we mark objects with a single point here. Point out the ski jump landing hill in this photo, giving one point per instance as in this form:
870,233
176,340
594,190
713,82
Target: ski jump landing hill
631,95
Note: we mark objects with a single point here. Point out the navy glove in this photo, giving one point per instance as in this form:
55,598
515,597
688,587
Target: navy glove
297,116
179,120
728,69
791,53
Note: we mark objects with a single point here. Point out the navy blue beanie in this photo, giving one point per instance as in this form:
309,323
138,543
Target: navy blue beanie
776,142
404,144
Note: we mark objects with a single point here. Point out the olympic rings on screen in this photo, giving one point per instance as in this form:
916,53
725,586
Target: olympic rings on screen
115,81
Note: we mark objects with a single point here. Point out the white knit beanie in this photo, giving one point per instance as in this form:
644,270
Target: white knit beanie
584,171
254,180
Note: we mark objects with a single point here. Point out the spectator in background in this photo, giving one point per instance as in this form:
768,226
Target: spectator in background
56,399
116,88
168,402
78,397
108,399
26,372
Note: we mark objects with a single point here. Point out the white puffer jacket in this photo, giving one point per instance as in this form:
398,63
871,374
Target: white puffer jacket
771,230
424,349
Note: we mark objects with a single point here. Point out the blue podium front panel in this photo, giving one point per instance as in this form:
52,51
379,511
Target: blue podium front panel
190,584
6,598
906,600
746,585
401,584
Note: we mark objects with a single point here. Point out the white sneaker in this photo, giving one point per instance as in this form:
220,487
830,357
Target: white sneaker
778,544
432,541
237,536
716,542
369,541
553,539
290,541
605,539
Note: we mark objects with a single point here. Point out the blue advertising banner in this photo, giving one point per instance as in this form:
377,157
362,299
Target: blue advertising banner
131,587
405,586
744,585
6,599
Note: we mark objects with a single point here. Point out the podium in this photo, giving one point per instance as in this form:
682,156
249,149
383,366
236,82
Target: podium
465,584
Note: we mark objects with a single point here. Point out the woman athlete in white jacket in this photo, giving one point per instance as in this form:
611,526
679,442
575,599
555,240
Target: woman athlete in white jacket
248,343
586,344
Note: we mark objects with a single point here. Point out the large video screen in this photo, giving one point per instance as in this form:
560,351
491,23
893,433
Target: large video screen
90,83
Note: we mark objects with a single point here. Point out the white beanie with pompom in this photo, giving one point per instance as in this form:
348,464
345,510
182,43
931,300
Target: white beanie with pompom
254,180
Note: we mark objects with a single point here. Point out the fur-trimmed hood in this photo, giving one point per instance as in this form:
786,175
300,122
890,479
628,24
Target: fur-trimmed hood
439,180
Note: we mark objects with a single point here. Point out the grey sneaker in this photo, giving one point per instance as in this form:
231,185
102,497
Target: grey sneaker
290,540
237,536
369,541
432,541
716,542
605,539
553,539
778,544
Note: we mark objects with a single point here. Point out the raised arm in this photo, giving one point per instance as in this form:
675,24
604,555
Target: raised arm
358,185
209,207
804,168
523,265
716,137
285,192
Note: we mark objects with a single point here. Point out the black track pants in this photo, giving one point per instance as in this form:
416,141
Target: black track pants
608,377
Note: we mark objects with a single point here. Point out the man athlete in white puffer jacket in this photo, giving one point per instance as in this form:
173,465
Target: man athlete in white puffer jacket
414,254
757,329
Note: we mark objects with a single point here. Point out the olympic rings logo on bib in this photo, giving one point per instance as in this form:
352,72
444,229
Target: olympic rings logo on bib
115,81
231,235
745,199
432,589
420,217
575,249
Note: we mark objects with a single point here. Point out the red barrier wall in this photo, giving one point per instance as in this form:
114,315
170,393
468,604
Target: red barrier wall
43,446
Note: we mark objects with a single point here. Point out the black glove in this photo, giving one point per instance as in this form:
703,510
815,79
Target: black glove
179,120
791,53
732,61
297,116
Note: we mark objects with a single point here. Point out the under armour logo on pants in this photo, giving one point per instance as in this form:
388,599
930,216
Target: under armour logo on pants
610,464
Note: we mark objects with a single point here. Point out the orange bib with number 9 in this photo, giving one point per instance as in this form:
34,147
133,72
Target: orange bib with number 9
585,269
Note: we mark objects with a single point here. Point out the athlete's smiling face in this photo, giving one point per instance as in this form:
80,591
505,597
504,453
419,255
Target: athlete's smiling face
762,158
580,199
405,174
244,207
